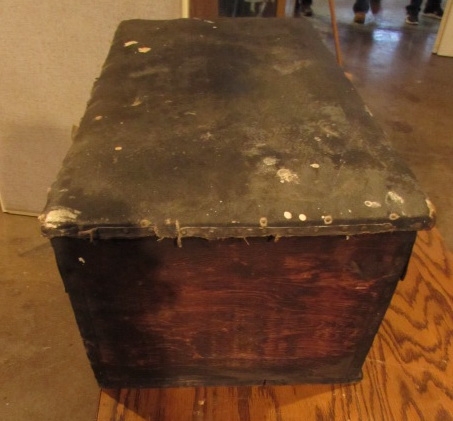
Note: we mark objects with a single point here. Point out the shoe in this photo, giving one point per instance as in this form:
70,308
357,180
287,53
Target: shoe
359,17
436,14
412,19
375,6
307,11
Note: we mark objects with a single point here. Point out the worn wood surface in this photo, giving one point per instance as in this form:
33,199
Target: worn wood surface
204,9
407,375
231,312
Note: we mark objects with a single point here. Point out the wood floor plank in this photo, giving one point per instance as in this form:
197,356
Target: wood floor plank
407,374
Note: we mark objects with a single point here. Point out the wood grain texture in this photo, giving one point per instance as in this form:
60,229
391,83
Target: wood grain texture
230,312
407,375
203,9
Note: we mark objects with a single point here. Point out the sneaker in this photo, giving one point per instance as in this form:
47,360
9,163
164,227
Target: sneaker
412,19
359,17
436,14
307,11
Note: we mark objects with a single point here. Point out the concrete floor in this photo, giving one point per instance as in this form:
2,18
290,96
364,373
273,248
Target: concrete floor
44,373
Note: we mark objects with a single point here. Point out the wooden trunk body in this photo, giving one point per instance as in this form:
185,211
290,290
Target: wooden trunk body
229,212
230,313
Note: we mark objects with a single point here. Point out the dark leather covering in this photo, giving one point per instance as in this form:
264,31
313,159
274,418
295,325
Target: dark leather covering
232,128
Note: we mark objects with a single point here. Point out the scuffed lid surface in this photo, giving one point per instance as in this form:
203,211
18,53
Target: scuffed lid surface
232,128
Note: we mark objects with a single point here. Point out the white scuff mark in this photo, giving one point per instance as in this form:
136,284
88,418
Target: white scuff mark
394,216
214,27
431,208
129,43
368,111
63,190
327,219
349,76
82,260
394,197
178,231
98,117
118,148
314,165
328,130
137,101
59,217
144,50
190,113
149,71
208,21
291,67
287,215
318,139
206,136
371,204
287,176
302,217
270,160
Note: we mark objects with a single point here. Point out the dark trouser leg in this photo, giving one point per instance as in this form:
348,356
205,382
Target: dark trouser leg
414,7
432,5
361,6
303,7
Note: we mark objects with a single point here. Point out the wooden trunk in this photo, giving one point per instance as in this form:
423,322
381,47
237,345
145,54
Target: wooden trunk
229,212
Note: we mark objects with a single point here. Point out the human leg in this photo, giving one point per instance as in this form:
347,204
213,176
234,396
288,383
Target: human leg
361,6
375,6
303,7
413,9
360,9
433,9
306,8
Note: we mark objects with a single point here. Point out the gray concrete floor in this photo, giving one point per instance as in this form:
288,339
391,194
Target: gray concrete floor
44,373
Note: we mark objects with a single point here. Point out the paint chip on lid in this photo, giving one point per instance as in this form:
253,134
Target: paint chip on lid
302,217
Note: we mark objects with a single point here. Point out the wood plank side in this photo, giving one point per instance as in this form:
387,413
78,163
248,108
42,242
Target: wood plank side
203,9
407,374
227,313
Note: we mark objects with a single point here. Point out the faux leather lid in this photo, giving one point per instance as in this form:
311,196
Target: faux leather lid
228,128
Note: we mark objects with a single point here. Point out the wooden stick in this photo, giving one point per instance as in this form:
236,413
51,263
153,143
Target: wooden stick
333,19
